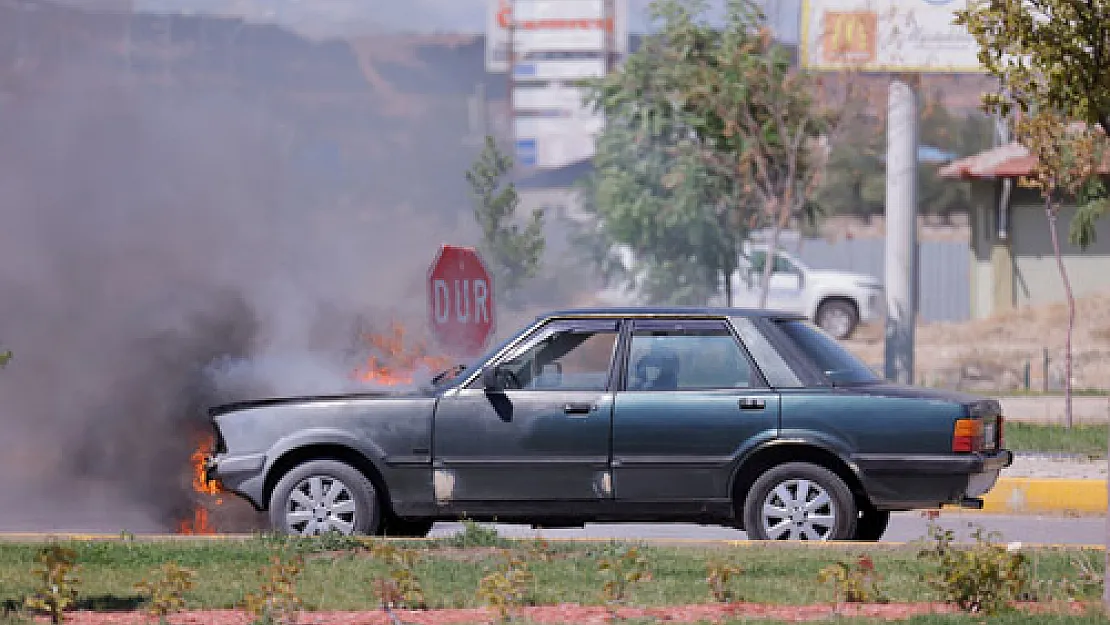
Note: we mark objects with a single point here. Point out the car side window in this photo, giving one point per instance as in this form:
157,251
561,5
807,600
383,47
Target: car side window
566,358
704,356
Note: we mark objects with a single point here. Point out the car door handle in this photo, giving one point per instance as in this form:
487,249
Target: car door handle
752,403
578,409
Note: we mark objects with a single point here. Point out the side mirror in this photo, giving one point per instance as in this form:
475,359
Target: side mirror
490,380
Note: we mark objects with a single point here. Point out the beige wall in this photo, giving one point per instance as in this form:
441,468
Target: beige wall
1036,275
1035,278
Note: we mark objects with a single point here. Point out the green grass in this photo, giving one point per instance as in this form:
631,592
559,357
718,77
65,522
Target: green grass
339,577
1084,439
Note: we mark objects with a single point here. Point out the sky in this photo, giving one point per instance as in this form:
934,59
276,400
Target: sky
317,18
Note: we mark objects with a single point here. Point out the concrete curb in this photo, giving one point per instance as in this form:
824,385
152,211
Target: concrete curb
1023,495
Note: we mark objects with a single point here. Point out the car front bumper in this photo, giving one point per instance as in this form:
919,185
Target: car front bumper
242,475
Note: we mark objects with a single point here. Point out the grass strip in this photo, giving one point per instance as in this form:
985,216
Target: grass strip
1086,439
338,576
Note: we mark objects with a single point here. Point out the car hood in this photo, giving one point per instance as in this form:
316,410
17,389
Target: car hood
223,409
889,389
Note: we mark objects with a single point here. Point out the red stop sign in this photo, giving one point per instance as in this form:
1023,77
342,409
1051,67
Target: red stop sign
460,301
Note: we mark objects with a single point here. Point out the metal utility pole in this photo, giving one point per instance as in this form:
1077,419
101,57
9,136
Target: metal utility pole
901,229
610,24
510,76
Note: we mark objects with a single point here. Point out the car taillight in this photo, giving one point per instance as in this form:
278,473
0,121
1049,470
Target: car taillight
967,436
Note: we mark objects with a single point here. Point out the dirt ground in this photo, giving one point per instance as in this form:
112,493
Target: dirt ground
992,354
582,615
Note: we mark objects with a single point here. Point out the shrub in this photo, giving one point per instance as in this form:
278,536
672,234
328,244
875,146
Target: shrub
718,575
57,581
402,588
621,568
512,585
853,582
981,578
167,592
276,600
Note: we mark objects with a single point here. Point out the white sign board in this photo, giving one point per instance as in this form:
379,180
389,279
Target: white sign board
547,26
886,36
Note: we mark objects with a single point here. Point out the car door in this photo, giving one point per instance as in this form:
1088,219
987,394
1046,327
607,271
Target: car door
691,401
545,435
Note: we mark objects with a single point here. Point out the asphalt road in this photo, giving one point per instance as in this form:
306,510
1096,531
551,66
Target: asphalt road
904,527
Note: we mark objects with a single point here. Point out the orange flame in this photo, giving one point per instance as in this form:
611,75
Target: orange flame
200,523
396,359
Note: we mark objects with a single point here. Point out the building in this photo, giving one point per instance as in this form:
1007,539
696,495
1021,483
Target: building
1013,263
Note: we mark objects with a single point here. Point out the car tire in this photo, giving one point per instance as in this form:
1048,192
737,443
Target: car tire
838,317
402,528
353,509
872,524
776,505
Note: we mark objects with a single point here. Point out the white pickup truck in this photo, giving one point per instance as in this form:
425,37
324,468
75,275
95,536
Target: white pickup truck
838,301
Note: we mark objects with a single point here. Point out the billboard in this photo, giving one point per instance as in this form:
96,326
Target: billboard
886,36
552,26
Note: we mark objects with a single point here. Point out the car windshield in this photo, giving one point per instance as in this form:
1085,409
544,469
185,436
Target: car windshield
837,363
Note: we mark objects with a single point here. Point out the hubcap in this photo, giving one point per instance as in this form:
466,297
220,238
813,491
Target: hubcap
320,504
798,510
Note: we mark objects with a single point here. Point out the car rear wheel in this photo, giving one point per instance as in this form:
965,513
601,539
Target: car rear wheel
872,524
322,496
838,317
800,501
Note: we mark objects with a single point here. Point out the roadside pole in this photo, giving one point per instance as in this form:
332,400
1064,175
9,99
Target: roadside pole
901,229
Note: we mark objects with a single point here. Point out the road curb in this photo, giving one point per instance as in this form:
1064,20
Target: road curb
1023,495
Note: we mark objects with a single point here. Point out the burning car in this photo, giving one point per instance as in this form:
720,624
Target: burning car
752,419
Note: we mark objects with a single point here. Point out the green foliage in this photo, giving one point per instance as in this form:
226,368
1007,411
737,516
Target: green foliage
856,582
276,600
710,131
57,581
981,578
1050,58
514,252
167,592
719,577
402,588
512,585
5,358
475,534
621,568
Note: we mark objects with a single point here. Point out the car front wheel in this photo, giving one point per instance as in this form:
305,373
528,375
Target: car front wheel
322,496
800,501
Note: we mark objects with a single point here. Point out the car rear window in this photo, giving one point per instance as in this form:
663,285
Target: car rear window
837,363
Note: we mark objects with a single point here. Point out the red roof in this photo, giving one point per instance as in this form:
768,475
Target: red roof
1007,161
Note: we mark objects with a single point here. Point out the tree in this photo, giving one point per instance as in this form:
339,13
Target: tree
651,189
656,199
1050,57
769,126
514,251
721,107
5,358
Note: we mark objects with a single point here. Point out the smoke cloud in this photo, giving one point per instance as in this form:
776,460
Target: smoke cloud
158,255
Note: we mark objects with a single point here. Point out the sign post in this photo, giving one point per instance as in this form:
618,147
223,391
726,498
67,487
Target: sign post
460,301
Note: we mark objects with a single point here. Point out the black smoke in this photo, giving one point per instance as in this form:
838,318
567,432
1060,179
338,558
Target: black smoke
159,253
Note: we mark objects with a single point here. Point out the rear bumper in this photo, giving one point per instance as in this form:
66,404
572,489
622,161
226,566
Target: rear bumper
940,464
906,482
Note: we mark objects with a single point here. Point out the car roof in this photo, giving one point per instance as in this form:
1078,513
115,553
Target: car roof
671,311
